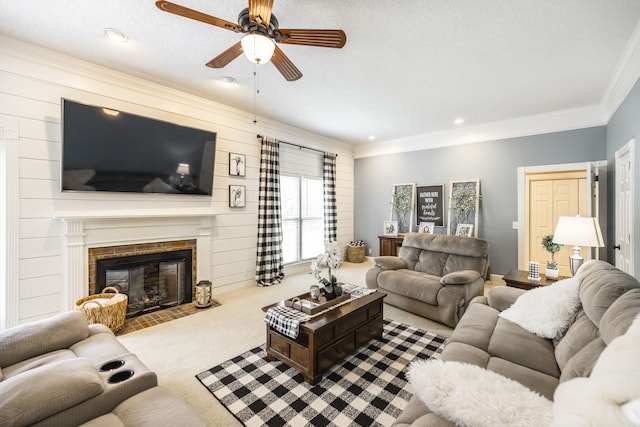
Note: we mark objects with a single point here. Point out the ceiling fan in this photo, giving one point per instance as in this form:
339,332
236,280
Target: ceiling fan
262,33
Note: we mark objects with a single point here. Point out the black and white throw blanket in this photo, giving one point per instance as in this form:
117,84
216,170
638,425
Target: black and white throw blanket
368,388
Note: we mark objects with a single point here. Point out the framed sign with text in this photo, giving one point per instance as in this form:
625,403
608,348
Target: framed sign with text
430,204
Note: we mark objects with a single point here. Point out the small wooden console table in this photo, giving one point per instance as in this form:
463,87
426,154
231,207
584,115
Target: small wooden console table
328,338
390,245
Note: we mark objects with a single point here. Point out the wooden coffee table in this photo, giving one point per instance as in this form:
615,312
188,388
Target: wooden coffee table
328,338
519,279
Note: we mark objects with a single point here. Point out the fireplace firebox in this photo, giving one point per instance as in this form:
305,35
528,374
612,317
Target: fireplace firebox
151,281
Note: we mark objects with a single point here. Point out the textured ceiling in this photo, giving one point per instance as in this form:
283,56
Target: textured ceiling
409,68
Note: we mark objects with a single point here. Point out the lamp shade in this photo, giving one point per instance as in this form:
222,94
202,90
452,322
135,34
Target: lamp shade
578,231
183,169
258,48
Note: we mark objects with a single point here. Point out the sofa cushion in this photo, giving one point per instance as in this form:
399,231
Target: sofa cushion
35,338
581,332
530,378
581,364
458,392
547,310
617,319
460,277
440,254
47,390
600,285
476,327
37,361
614,381
412,284
515,344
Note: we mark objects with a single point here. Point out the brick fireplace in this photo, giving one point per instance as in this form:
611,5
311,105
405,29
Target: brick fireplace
160,282
91,237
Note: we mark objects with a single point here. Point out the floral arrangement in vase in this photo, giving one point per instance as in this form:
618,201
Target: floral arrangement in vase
332,259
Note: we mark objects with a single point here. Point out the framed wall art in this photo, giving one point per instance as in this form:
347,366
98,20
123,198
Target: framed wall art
430,204
402,197
427,227
237,196
237,164
464,205
464,230
390,228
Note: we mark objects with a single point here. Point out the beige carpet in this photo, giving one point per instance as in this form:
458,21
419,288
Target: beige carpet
182,348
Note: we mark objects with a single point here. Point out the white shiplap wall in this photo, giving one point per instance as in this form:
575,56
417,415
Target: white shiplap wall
32,81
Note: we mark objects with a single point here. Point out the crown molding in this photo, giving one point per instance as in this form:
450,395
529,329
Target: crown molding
625,75
576,118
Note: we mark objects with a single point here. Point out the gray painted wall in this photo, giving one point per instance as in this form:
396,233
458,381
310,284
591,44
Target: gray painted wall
495,163
624,125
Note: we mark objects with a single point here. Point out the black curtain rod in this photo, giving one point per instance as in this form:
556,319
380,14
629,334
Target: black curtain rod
302,146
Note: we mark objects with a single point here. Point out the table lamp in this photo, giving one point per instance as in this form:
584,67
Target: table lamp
183,169
578,231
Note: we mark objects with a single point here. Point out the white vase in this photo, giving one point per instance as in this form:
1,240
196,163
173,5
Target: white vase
551,273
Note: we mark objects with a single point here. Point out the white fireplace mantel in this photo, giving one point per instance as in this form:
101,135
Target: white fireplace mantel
82,231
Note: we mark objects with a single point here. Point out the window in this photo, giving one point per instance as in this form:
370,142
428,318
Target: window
302,200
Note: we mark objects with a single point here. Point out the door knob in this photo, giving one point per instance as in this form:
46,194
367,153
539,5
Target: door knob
616,247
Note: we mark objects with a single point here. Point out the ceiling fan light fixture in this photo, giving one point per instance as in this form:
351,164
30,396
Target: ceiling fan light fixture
258,48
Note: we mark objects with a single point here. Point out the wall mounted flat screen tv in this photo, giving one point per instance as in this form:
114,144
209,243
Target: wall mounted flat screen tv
109,150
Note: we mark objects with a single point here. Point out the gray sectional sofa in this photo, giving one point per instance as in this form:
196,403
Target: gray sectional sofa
63,372
609,301
434,276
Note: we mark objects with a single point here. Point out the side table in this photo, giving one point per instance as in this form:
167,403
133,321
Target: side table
390,245
520,279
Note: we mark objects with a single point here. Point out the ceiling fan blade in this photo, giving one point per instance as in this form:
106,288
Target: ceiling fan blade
320,38
225,57
176,9
285,66
260,11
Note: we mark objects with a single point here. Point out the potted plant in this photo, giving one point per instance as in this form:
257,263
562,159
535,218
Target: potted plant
553,248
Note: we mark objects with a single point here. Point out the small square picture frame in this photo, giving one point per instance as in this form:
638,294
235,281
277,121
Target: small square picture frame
427,227
237,196
464,230
237,164
390,228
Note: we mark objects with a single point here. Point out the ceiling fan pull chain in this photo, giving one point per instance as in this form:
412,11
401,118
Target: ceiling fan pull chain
256,90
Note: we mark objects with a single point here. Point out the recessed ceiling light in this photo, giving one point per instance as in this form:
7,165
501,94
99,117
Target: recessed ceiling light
227,79
371,137
458,121
115,35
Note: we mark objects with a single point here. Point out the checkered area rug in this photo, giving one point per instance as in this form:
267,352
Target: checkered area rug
367,389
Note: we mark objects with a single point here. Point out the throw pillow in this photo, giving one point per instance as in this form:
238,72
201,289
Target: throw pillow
546,311
614,381
469,395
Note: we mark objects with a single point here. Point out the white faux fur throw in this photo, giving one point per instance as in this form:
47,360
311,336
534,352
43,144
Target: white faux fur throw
614,381
546,311
468,395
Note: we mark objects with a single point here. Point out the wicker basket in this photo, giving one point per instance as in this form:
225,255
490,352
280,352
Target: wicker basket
355,253
110,309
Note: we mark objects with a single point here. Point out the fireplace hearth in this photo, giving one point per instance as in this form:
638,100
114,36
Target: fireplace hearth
151,281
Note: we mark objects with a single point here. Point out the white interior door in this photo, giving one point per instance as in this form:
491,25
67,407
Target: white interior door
624,207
